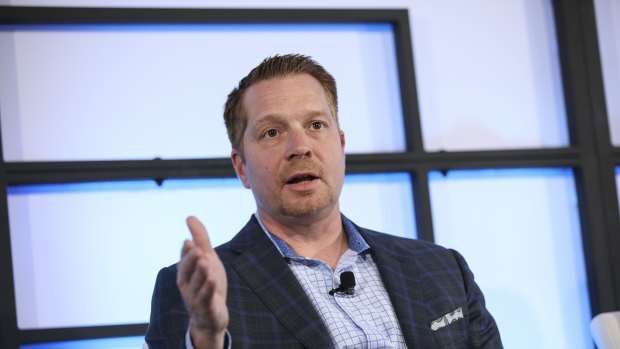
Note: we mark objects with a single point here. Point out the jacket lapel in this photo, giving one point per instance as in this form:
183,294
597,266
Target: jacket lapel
401,276
263,268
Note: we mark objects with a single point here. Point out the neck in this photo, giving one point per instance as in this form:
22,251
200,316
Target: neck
321,238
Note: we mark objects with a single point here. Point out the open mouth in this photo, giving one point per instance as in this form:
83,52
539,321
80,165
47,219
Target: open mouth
301,178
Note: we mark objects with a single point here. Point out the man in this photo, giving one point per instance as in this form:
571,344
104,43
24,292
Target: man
270,285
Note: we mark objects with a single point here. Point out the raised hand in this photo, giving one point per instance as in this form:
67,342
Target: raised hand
201,278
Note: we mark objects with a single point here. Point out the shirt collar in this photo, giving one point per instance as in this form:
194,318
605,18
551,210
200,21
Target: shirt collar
354,238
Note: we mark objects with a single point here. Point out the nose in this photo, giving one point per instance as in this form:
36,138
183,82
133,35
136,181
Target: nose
299,145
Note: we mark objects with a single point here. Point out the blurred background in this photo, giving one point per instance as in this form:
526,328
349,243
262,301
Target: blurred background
486,126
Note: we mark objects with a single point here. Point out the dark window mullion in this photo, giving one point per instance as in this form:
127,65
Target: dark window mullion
422,205
602,138
35,15
614,153
408,90
79,333
19,173
575,27
8,314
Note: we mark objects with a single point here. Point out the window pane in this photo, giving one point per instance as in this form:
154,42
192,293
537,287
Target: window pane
608,23
382,202
519,231
488,74
107,343
88,254
116,91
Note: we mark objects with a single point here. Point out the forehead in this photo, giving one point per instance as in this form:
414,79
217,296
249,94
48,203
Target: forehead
292,95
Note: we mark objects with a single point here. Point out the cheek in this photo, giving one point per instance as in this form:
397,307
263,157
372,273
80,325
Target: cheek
265,175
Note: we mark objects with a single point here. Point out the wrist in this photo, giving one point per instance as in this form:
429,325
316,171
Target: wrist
205,339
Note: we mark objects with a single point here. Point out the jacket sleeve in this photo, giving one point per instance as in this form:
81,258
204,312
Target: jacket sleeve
483,331
169,319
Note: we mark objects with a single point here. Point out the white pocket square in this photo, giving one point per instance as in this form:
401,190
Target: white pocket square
447,319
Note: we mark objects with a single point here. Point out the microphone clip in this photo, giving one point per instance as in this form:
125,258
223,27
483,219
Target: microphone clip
342,290
347,284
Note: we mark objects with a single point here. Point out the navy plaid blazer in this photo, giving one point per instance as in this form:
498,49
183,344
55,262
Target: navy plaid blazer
269,309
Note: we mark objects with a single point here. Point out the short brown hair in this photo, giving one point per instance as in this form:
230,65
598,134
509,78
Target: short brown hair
274,67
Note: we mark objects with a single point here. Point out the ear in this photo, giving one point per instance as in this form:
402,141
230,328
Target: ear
342,140
239,166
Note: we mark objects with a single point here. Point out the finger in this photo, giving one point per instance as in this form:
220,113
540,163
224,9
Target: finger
187,265
187,245
207,292
199,233
199,276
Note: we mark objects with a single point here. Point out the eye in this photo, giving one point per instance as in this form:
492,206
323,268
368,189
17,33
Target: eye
317,125
270,133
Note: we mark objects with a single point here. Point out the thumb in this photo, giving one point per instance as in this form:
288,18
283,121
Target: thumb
199,233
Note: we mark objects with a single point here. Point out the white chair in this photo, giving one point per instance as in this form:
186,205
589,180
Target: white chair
605,329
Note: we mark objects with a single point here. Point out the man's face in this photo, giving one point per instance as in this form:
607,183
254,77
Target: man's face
293,150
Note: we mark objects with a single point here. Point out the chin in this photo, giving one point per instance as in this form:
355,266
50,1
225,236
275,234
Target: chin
300,212
306,208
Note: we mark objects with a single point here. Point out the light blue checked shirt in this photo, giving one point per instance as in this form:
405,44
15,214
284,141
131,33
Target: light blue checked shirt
365,319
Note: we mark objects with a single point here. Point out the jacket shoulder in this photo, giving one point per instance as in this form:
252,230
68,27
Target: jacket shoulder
169,319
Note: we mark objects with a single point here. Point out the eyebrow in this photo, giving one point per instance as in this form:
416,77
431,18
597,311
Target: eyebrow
278,118
270,118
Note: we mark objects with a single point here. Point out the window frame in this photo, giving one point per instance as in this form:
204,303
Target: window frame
590,153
